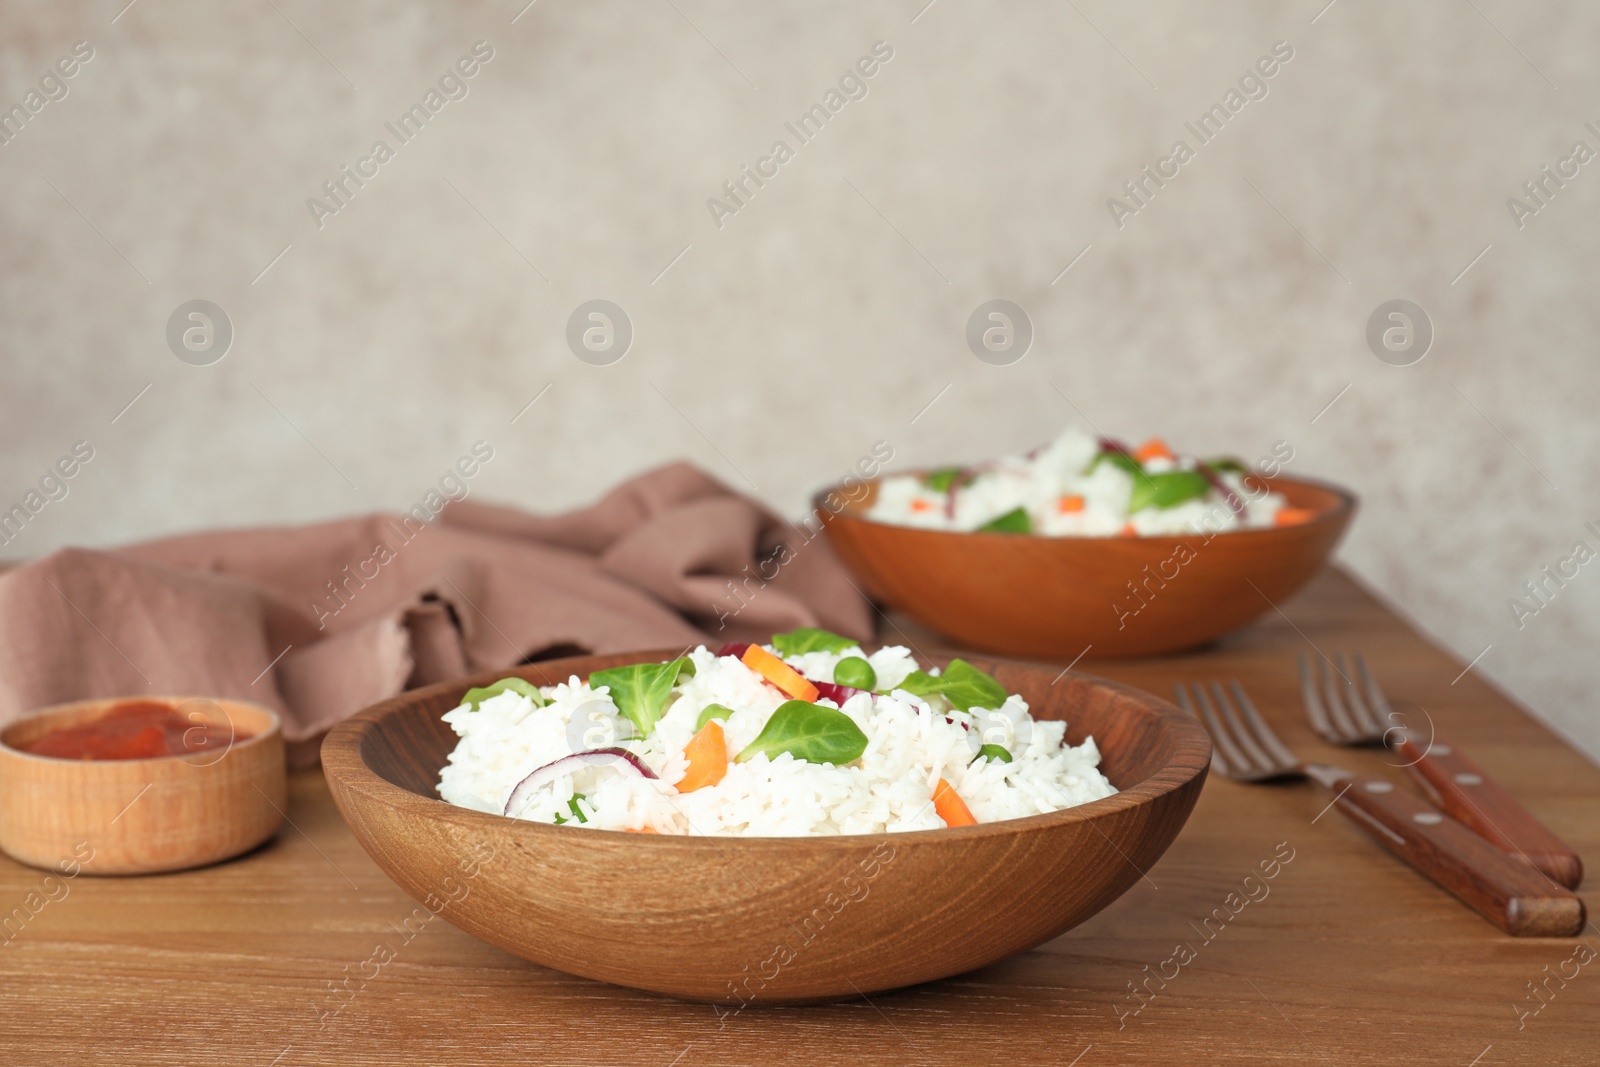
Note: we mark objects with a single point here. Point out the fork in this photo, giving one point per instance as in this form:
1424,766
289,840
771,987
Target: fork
1347,713
1513,896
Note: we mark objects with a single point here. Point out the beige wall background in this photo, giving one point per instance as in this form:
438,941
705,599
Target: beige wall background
829,311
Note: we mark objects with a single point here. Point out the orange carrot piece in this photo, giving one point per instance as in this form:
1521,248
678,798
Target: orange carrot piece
1155,448
923,505
1293,516
788,680
1068,504
707,753
641,830
951,808
1130,530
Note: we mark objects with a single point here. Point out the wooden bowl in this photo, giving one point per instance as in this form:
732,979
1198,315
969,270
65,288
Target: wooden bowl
141,816
1057,597
768,920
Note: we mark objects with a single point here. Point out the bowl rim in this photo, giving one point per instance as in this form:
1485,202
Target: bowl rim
274,728
1340,513
341,758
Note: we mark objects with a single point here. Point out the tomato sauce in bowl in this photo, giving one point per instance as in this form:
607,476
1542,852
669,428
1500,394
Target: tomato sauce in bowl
135,729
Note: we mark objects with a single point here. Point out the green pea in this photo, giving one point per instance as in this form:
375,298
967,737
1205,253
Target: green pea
856,673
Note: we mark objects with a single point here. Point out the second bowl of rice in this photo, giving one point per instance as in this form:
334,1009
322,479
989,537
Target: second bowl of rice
1053,557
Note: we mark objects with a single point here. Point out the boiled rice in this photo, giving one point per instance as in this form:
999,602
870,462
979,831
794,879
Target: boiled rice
1039,481
912,743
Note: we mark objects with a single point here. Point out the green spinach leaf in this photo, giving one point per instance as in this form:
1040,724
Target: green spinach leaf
709,712
808,732
1167,490
998,752
641,691
572,806
1117,459
962,684
942,479
810,639
1226,463
474,697
1014,521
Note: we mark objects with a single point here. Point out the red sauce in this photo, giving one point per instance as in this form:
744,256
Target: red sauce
136,729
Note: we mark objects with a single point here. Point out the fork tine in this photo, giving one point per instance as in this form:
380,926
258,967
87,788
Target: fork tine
1361,712
1263,732
1344,730
1231,763
1245,737
1316,711
1376,700
1220,734
1219,763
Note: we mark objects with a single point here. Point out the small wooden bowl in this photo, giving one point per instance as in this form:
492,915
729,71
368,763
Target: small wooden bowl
1057,597
141,816
768,920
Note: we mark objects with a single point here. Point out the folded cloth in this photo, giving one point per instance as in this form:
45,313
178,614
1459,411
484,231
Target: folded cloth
317,622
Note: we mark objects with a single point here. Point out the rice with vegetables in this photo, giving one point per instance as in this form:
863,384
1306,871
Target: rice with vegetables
808,735
1083,486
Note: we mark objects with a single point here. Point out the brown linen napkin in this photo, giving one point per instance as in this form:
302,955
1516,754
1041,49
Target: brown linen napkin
317,622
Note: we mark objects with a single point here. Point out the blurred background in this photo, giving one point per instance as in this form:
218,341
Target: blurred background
389,308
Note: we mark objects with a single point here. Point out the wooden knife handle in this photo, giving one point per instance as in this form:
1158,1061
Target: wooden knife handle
1507,892
1478,802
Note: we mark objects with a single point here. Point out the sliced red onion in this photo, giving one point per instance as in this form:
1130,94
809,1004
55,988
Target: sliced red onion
600,757
1234,503
960,482
736,649
1111,444
836,692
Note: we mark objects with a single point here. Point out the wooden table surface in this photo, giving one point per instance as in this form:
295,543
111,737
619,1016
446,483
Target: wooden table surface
1345,957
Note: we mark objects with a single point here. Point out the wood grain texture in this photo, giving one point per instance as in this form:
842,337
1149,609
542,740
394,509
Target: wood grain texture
1352,958
143,815
1517,898
1056,597
770,920
1470,795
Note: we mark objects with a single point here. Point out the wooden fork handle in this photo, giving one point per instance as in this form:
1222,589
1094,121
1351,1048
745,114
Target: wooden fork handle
1512,895
1478,802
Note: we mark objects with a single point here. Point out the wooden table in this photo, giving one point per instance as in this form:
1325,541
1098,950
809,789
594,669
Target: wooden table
1349,957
